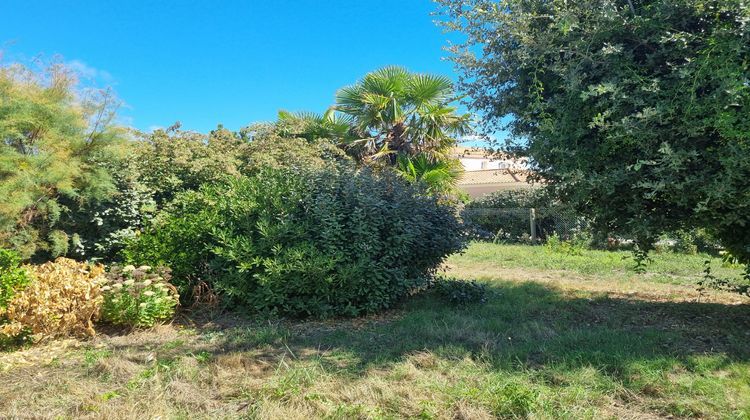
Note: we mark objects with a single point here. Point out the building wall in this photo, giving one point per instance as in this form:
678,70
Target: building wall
475,164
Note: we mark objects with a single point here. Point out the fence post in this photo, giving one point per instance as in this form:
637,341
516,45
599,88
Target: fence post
532,224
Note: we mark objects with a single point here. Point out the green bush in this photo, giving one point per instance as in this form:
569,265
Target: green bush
693,241
510,199
138,297
12,276
291,242
573,246
684,242
503,216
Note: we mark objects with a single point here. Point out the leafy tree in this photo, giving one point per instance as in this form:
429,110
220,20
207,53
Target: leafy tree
56,143
634,111
103,227
389,112
172,160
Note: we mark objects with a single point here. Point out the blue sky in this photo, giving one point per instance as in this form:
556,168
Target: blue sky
230,62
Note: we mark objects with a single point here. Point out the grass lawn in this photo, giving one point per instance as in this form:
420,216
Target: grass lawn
561,336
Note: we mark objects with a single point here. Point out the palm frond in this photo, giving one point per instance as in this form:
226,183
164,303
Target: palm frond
410,111
439,176
424,89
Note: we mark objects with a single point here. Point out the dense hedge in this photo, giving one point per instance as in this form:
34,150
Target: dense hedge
503,216
291,242
521,198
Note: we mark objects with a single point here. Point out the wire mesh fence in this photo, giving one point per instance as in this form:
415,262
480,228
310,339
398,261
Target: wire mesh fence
522,224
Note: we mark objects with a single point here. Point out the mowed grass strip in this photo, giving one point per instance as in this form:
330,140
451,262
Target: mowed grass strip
561,336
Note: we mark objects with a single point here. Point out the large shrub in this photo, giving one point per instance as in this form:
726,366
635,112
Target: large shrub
291,242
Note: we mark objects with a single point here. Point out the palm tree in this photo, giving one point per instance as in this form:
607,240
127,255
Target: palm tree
312,126
439,176
396,112
404,120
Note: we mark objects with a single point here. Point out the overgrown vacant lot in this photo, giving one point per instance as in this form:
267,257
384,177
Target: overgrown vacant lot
561,336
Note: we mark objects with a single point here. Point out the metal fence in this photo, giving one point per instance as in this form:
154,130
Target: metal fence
522,224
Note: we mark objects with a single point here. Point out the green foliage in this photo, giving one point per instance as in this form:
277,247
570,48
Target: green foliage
165,163
635,112
312,127
398,112
510,199
274,146
304,243
440,177
138,297
170,161
574,246
159,166
460,292
104,227
390,112
55,142
13,277
684,242
690,242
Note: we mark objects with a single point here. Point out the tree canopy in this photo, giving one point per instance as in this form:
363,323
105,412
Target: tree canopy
56,142
634,111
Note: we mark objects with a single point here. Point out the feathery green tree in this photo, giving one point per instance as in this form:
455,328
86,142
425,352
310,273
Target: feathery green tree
56,143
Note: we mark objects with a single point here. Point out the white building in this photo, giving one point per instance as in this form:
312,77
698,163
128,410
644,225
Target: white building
486,173
478,159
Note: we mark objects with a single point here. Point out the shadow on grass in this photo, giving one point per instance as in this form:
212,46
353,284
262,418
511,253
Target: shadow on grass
522,326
